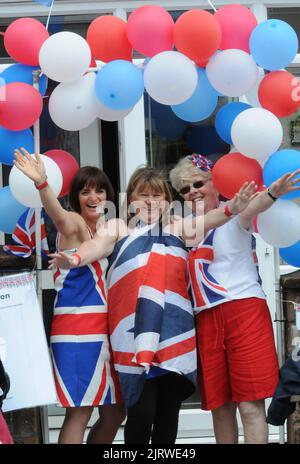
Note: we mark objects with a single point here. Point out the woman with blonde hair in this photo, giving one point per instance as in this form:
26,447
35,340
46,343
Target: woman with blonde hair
151,322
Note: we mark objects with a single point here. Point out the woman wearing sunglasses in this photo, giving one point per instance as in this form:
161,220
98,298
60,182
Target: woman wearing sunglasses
236,351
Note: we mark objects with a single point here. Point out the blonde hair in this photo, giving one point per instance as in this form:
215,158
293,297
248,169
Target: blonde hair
144,178
185,170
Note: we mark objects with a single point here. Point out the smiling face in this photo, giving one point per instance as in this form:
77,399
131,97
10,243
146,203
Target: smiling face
199,190
92,202
148,203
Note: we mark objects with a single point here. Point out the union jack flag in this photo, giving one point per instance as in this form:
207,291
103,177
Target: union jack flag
205,291
24,236
83,370
150,316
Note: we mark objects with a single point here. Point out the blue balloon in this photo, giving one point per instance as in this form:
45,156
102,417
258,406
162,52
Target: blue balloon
201,104
10,210
205,140
273,44
9,140
225,117
22,73
119,85
291,254
280,163
44,2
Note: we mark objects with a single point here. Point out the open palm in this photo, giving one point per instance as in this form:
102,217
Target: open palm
32,167
287,183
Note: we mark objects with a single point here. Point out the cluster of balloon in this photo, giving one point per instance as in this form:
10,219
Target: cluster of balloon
226,53
20,107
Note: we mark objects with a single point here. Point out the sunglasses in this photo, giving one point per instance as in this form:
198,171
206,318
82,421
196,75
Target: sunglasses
187,188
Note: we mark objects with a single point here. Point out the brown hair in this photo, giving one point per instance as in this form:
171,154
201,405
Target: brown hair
89,176
148,177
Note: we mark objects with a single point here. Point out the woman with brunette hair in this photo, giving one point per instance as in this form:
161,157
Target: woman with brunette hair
83,369
151,322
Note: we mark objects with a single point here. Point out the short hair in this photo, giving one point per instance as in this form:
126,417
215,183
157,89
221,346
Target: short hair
183,170
89,176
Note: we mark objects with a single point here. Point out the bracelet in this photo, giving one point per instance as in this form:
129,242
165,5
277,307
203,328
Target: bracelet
42,186
271,196
227,212
78,258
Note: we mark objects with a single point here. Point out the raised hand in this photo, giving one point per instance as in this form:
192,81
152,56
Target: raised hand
62,260
32,167
242,198
286,183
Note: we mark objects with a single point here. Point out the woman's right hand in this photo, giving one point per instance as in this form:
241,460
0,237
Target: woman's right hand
62,260
32,167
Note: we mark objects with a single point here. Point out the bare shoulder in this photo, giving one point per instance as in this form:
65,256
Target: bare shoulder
73,224
114,227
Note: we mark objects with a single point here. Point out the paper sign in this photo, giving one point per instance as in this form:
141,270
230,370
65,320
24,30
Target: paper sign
23,346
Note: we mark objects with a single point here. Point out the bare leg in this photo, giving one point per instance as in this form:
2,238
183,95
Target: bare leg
105,428
74,425
225,424
253,417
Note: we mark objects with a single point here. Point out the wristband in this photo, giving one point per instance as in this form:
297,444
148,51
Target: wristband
41,186
271,196
227,212
78,258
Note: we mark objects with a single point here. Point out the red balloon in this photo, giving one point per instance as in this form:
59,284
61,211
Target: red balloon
20,106
278,92
232,170
107,38
23,39
150,30
68,166
237,22
197,34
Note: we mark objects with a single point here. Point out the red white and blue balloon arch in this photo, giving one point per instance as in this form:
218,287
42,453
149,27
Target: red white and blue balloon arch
188,65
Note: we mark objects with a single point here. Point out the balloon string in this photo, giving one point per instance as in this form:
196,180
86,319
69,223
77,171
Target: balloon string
213,7
49,15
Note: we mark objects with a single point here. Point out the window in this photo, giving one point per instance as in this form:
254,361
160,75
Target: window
291,15
169,138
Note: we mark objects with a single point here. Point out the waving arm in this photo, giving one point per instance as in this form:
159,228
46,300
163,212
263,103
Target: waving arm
194,229
264,200
33,167
99,247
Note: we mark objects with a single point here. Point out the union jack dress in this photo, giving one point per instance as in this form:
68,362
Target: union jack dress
151,321
83,369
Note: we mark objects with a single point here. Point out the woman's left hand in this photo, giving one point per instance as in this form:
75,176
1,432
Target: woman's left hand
286,183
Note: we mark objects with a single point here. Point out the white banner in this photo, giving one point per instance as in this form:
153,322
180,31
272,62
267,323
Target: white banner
23,346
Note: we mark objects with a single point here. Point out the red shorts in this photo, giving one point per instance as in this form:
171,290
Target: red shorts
237,355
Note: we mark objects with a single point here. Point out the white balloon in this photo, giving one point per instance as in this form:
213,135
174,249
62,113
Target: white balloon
170,78
65,56
23,189
257,133
232,72
108,114
72,106
270,224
